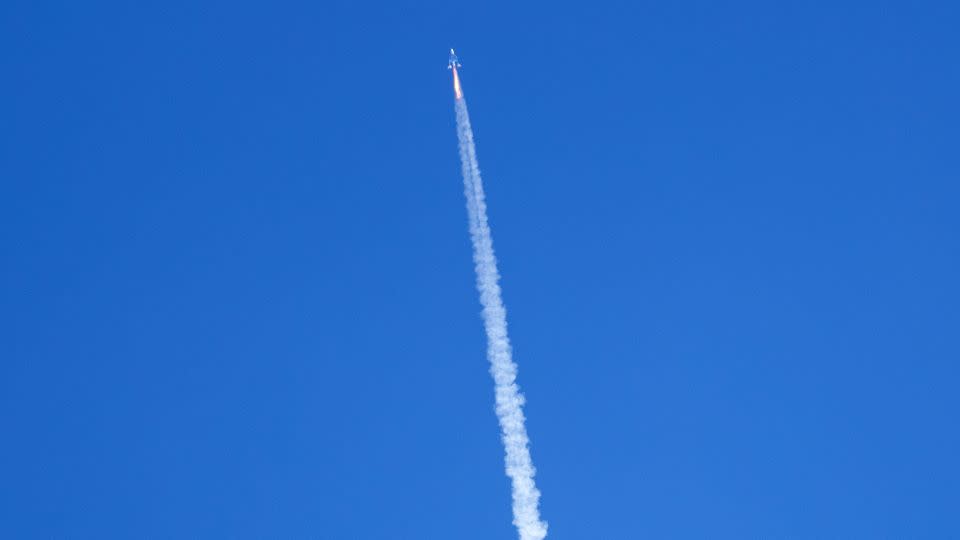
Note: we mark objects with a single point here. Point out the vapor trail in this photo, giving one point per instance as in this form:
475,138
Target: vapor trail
509,401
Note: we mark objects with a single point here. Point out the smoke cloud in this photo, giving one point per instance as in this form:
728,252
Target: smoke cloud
509,401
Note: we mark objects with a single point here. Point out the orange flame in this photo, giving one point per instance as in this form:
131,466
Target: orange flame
456,84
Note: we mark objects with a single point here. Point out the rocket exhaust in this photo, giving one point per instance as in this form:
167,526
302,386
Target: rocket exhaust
509,401
457,91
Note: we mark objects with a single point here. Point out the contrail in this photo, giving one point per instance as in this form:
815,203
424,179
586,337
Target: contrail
509,401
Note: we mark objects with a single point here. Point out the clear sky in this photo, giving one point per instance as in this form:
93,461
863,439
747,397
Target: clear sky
238,300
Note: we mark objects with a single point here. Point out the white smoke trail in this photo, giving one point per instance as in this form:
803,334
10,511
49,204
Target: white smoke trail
509,401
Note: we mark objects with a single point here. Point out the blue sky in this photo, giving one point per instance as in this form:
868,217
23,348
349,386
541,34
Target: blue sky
238,299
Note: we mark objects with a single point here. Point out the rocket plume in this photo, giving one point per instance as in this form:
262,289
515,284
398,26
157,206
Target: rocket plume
509,401
457,92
